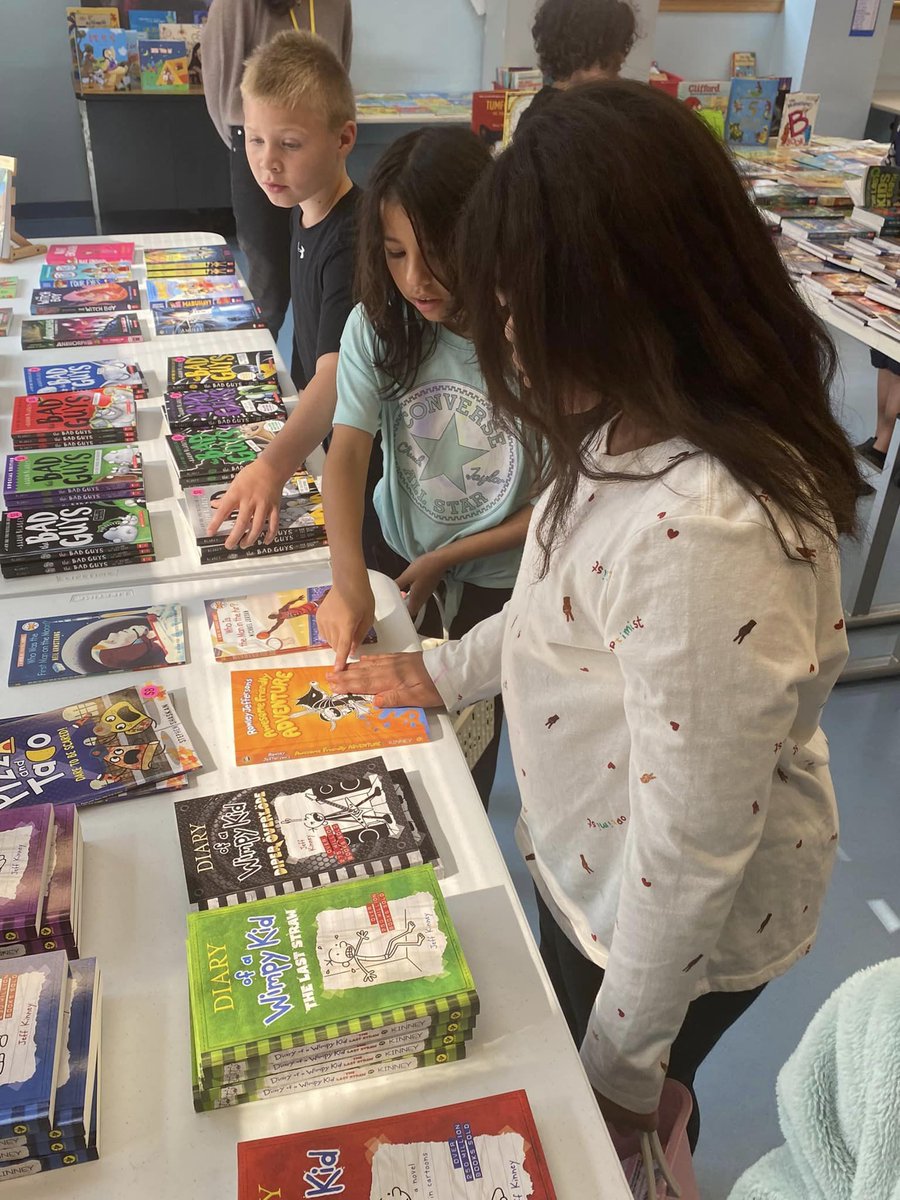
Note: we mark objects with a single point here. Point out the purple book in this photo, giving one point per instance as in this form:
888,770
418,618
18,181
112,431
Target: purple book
26,843
223,406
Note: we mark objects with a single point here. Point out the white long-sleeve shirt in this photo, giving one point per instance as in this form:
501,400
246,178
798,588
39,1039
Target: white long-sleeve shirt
663,684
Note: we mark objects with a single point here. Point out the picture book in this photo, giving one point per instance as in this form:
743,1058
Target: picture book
190,35
164,66
488,116
200,372
26,844
216,455
798,118
213,318
148,21
749,113
32,1008
195,292
63,332
270,623
708,98
6,316
9,286
292,712
321,963
226,406
93,750
90,252
112,470
481,1149
62,902
743,64
96,643
74,527
74,296
298,834
85,376
106,59
78,1069
74,418
93,18
301,518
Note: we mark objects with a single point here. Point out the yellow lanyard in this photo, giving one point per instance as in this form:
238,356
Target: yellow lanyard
312,17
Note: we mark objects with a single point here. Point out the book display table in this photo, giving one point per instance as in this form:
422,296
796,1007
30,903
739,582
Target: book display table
153,1144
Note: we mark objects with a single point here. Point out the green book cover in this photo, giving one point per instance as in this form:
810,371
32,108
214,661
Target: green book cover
41,472
303,968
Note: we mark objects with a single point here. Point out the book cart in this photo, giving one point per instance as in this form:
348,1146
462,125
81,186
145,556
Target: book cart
153,1144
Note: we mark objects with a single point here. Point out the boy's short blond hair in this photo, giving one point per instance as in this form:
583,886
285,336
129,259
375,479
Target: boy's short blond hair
300,70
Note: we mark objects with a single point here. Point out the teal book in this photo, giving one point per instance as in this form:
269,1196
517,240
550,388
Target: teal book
291,970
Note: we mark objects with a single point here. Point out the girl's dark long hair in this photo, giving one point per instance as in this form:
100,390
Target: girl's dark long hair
639,274
430,173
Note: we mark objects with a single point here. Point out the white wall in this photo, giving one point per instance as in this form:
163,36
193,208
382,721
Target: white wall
889,70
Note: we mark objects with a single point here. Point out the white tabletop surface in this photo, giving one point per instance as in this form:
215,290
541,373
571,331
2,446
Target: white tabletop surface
829,312
154,1146
175,548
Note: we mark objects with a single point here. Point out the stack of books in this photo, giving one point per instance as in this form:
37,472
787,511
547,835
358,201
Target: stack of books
275,839
40,880
194,303
178,262
346,982
216,455
488,1147
91,375
88,289
62,333
62,419
49,1087
85,296
74,537
120,744
210,391
72,475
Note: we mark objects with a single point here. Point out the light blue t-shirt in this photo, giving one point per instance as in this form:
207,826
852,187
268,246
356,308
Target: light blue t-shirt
449,471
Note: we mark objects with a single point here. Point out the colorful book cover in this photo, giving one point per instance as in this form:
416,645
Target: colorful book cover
26,840
164,66
72,469
9,286
94,750
798,118
880,187
749,112
81,296
318,964
217,455
76,560
823,228
32,1008
85,376
174,256
482,1149
107,59
75,417
269,623
743,64
85,273
6,316
63,332
96,643
301,517
191,292
90,252
190,35
79,1062
148,21
214,318
93,17
292,712
708,98
62,901
226,406
109,524
300,833
201,372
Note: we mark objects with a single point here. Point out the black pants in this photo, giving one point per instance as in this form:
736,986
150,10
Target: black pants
576,981
476,604
264,235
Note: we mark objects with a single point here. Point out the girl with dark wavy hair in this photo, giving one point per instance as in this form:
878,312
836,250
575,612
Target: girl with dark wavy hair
676,627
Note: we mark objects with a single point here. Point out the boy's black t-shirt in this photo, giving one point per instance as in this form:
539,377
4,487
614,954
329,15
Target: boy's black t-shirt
322,259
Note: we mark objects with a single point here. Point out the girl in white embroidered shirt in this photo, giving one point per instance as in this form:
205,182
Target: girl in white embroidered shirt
676,626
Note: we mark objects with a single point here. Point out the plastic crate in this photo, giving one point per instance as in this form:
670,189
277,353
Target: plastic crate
674,1111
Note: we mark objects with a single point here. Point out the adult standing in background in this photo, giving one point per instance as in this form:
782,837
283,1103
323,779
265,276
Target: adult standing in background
233,30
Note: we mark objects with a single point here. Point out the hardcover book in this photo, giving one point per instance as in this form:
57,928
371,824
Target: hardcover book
94,750
74,418
85,376
200,372
749,112
224,406
269,623
93,17
26,854
147,21
217,455
483,1149
96,643
301,833
164,66
743,64
213,318
90,252
106,60
63,332
292,712
292,970
708,98
32,1008
82,296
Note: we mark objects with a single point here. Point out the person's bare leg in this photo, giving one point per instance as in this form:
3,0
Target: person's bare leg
888,408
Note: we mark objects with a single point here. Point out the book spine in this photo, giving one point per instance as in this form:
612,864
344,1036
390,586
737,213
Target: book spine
47,1162
85,495
65,566
216,554
64,439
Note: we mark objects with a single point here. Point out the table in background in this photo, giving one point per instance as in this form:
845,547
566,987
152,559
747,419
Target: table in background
153,1144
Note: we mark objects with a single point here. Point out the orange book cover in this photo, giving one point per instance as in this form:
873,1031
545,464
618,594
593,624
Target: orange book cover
292,712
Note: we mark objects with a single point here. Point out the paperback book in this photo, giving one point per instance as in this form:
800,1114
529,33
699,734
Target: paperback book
195,292
26,856
749,113
273,839
292,712
182,261
61,917
31,566
86,376
72,475
268,623
202,372
480,1149
90,252
75,1095
72,646
301,521
32,1011
74,418
798,119
213,318
164,66
63,332
814,229
708,98
69,528
216,455
221,407
94,750
87,297
85,273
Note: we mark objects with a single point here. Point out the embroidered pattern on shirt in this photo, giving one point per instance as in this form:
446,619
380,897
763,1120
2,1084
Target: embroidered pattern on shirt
633,624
